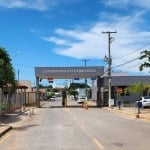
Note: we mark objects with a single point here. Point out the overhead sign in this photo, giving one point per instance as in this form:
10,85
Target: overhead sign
76,78
93,78
68,72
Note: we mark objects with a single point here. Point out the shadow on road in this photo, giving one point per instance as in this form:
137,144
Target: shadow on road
23,128
11,117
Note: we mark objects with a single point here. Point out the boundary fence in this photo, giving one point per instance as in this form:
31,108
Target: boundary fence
15,101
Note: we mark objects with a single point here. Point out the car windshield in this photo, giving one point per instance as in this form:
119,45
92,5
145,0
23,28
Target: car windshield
146,97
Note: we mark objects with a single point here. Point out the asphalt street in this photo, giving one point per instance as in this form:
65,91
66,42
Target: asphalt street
54,127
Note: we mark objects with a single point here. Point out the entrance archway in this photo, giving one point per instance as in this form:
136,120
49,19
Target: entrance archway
65,73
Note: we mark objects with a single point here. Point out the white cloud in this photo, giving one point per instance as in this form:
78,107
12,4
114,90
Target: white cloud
57,41
40,5
93,44
123,3
27,4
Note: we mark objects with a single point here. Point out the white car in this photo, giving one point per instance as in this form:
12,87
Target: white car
52,98
81,99
145,101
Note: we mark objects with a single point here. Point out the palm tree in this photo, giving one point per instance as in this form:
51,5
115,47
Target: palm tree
145,55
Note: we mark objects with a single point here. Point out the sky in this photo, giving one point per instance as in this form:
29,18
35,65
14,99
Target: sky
63,33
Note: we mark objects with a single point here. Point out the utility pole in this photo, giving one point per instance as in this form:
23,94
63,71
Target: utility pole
109,60
85,60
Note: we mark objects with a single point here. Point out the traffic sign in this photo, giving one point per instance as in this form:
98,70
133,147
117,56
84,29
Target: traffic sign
119,90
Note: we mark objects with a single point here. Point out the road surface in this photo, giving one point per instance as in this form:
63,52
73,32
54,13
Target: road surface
54,127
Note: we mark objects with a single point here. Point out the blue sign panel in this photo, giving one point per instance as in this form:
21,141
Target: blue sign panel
76,78
93,78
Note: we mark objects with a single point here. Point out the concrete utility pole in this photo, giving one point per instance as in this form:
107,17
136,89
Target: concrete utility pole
85,60
109,60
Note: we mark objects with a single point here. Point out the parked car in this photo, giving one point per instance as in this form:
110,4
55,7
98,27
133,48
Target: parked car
81,99
145,101
52,98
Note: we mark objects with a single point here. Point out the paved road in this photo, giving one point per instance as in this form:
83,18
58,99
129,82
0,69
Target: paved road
74,128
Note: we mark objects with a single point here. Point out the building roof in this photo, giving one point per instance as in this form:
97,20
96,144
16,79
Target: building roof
21,86
127,80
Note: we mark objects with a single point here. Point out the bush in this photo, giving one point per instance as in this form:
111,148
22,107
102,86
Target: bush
73,92
50,95
3,106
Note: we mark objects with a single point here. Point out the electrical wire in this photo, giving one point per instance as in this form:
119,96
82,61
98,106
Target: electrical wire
126,63
132,51
127,68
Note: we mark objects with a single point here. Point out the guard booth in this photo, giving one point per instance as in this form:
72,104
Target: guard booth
67,73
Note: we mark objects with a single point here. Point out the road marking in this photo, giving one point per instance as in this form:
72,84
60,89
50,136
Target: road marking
5,137
98,143
81,125
89,135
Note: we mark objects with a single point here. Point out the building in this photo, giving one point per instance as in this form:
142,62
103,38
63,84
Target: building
25,85
119,82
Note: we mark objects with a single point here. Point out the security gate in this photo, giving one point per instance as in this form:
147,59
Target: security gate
66,73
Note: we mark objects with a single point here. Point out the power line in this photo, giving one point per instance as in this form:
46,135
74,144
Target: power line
138,63
132,52
129,67
126,63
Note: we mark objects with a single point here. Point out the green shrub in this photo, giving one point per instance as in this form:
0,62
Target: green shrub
3,106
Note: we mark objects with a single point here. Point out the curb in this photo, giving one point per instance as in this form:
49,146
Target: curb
4,131
129,114
6,128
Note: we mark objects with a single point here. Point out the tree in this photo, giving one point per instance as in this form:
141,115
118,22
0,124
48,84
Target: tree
7,73
147,88
145,55
136,88
74,86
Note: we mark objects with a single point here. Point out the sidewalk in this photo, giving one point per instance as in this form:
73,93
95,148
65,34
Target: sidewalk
132,112
9,119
